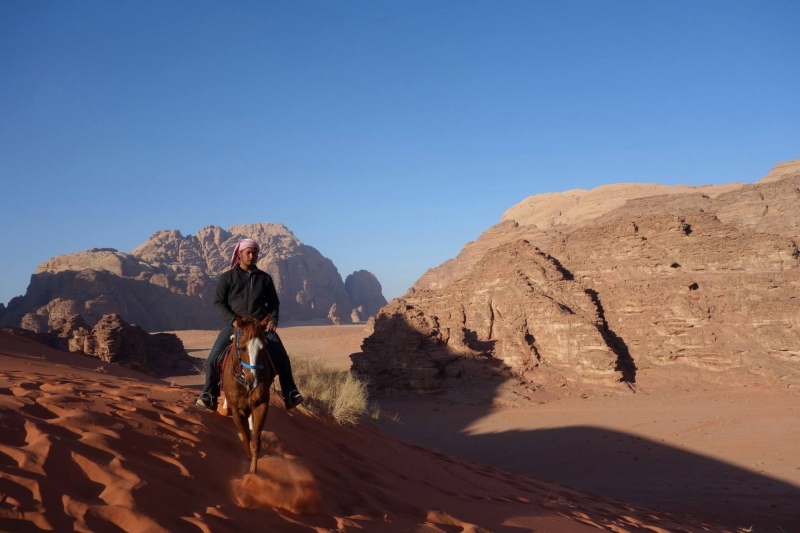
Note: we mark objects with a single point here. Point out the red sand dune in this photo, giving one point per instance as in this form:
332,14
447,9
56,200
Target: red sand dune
88,447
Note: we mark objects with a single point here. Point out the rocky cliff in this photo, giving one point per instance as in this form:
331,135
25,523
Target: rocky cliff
168,282
595,284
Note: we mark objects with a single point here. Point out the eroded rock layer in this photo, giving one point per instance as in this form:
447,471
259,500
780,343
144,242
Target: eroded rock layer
516,306
690,289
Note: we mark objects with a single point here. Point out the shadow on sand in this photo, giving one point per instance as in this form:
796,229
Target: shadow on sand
603,461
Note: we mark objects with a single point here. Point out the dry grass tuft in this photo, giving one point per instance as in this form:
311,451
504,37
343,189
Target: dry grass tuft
377,414
340,395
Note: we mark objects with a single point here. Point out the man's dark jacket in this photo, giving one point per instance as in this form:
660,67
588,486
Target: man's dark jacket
243,294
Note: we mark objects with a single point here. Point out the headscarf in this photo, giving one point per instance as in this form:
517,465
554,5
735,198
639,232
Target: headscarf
242,245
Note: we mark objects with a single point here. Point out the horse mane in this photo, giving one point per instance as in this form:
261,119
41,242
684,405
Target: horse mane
251,328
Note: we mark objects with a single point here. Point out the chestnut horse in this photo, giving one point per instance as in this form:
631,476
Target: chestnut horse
246,379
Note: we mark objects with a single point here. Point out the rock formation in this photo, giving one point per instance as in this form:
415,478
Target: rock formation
154,296
168,282
517,306
112,340
308,284
690,289
366,294
638,275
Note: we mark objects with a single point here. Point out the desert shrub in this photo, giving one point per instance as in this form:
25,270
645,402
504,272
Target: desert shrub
340,395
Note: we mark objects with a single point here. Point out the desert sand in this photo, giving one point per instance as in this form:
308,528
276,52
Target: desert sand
333,344
92,447
721,454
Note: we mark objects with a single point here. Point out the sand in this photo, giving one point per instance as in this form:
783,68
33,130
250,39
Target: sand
90,447
95,447
680,443
726,456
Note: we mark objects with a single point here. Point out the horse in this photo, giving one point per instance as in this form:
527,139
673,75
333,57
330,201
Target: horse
246,379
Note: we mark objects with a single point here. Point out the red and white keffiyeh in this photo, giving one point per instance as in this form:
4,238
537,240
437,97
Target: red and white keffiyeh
242,245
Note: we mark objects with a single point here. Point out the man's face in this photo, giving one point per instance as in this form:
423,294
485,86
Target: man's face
248,258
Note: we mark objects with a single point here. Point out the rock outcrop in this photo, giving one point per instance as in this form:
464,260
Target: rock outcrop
640,276
516,306
115,341
366,294
154,296
168,282
112,340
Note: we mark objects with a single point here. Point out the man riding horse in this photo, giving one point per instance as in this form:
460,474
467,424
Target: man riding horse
246,290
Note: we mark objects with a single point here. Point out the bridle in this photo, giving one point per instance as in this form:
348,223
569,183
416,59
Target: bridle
240,378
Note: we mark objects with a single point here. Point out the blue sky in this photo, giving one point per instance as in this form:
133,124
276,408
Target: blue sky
385,134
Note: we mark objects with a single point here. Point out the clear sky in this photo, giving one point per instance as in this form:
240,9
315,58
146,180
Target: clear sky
386,134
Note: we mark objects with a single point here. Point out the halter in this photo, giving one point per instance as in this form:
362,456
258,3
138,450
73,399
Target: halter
240,375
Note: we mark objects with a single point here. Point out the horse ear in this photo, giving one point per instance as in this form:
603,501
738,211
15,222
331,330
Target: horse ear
265,321
238,322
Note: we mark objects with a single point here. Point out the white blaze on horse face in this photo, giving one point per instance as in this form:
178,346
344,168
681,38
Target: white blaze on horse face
254,347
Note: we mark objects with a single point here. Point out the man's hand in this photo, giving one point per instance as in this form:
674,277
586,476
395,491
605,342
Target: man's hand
271,326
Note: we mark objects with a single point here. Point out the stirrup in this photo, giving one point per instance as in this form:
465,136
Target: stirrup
294,399
206,401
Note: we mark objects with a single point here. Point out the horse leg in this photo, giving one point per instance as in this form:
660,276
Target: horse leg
259,416
244,430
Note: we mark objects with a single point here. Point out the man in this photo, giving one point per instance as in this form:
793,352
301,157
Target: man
245,290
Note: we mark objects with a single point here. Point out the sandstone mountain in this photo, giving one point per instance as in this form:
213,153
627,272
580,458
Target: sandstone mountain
365,293
168,282
593,285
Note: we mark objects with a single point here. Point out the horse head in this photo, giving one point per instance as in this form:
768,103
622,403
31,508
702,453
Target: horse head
251,345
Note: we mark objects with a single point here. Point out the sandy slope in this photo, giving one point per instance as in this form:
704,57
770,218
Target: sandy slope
87,450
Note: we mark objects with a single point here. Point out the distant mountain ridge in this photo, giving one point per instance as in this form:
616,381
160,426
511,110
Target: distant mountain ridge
168,282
